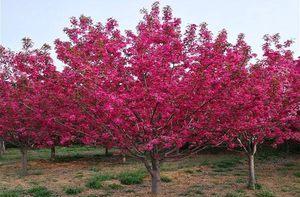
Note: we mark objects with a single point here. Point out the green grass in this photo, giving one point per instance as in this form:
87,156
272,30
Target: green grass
73,190
195,190
40,191
115,186
237,193
165,179
265,193
297,174
96,181
226,164
63,154
17,192
131,178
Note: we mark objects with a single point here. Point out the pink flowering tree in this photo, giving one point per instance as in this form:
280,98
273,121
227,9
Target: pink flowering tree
262,101
23,77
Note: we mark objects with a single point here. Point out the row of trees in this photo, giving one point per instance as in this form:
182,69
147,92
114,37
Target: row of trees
156,93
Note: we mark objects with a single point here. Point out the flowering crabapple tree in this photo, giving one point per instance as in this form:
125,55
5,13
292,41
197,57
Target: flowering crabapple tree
23,76
128,89
263,101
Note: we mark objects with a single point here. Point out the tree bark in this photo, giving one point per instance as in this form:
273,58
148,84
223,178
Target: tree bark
251,181
123,158
106,151
155,177
53,153
2,147
24,161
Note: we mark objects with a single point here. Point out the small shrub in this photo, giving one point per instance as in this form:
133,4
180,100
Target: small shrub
131,178
165,179
73,190
40,192
265,193
115,186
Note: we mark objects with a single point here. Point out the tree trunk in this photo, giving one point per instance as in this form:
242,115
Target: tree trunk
2,147
24,161
155,178
124,158
106,151
287,147
53,153
251,181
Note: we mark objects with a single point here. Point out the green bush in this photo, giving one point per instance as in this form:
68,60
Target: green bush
131,178
73,190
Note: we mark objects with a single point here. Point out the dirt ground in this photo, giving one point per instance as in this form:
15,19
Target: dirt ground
206,175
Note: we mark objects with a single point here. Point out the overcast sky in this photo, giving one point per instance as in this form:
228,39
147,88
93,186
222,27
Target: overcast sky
43,20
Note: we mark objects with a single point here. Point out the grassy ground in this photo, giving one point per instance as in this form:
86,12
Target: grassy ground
85,171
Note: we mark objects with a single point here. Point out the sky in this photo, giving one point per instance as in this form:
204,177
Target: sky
44,20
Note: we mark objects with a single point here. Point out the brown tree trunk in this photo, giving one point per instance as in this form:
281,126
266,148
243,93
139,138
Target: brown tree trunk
251,180
106,151
124,158
24,161
53,153
2,147
155,177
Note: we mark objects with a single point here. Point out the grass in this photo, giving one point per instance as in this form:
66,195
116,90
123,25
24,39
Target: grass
63,154
73,190
16,192
226,164
131,178
195,190
237,193
96,181
40,191
89,166
297,174
265,193
165,179
115,186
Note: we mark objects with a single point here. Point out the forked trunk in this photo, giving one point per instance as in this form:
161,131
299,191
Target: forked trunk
251,181
155,178
53,153
24,161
